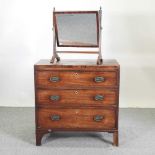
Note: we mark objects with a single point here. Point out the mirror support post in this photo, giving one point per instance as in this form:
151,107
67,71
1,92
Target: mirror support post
55,55
100,60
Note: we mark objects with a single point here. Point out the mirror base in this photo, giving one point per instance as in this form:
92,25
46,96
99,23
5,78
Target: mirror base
99,60
55,57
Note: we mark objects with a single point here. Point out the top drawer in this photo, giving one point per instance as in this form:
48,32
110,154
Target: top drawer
78,79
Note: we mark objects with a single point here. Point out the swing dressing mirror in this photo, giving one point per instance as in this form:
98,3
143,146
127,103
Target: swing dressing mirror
77,29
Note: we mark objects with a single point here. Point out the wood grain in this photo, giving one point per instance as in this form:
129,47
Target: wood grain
77,97
76,118
75,79
76,64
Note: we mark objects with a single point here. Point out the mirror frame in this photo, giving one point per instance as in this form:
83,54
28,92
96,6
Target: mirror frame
76,12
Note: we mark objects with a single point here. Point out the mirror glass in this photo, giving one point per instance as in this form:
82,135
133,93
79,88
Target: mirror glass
77,29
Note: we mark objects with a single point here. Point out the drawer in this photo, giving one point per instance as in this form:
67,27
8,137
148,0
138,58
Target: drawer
72,97
60,79
76,118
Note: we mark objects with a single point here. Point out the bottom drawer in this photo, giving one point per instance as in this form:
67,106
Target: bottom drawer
76,118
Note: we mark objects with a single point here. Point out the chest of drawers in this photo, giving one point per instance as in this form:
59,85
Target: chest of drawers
76,96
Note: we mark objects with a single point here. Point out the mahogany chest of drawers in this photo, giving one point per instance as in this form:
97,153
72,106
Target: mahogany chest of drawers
76,95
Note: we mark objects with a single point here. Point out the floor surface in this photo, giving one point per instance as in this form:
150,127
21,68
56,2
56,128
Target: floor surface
136,136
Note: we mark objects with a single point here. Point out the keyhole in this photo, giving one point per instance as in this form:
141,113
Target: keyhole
76,75
76,92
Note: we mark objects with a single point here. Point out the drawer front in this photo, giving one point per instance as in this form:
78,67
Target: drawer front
77,97
60,79
76,118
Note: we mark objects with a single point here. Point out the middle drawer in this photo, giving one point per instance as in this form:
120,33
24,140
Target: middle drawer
77,97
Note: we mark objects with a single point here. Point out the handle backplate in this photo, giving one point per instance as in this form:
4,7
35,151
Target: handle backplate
98,118
55,97
99,97
54,79
99,79
55,117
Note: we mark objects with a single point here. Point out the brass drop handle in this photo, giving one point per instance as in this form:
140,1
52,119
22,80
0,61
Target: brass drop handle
54,79
99,97
55,97
55,117
98,118
99,79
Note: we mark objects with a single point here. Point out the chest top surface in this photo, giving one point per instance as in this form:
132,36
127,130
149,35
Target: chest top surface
44,64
